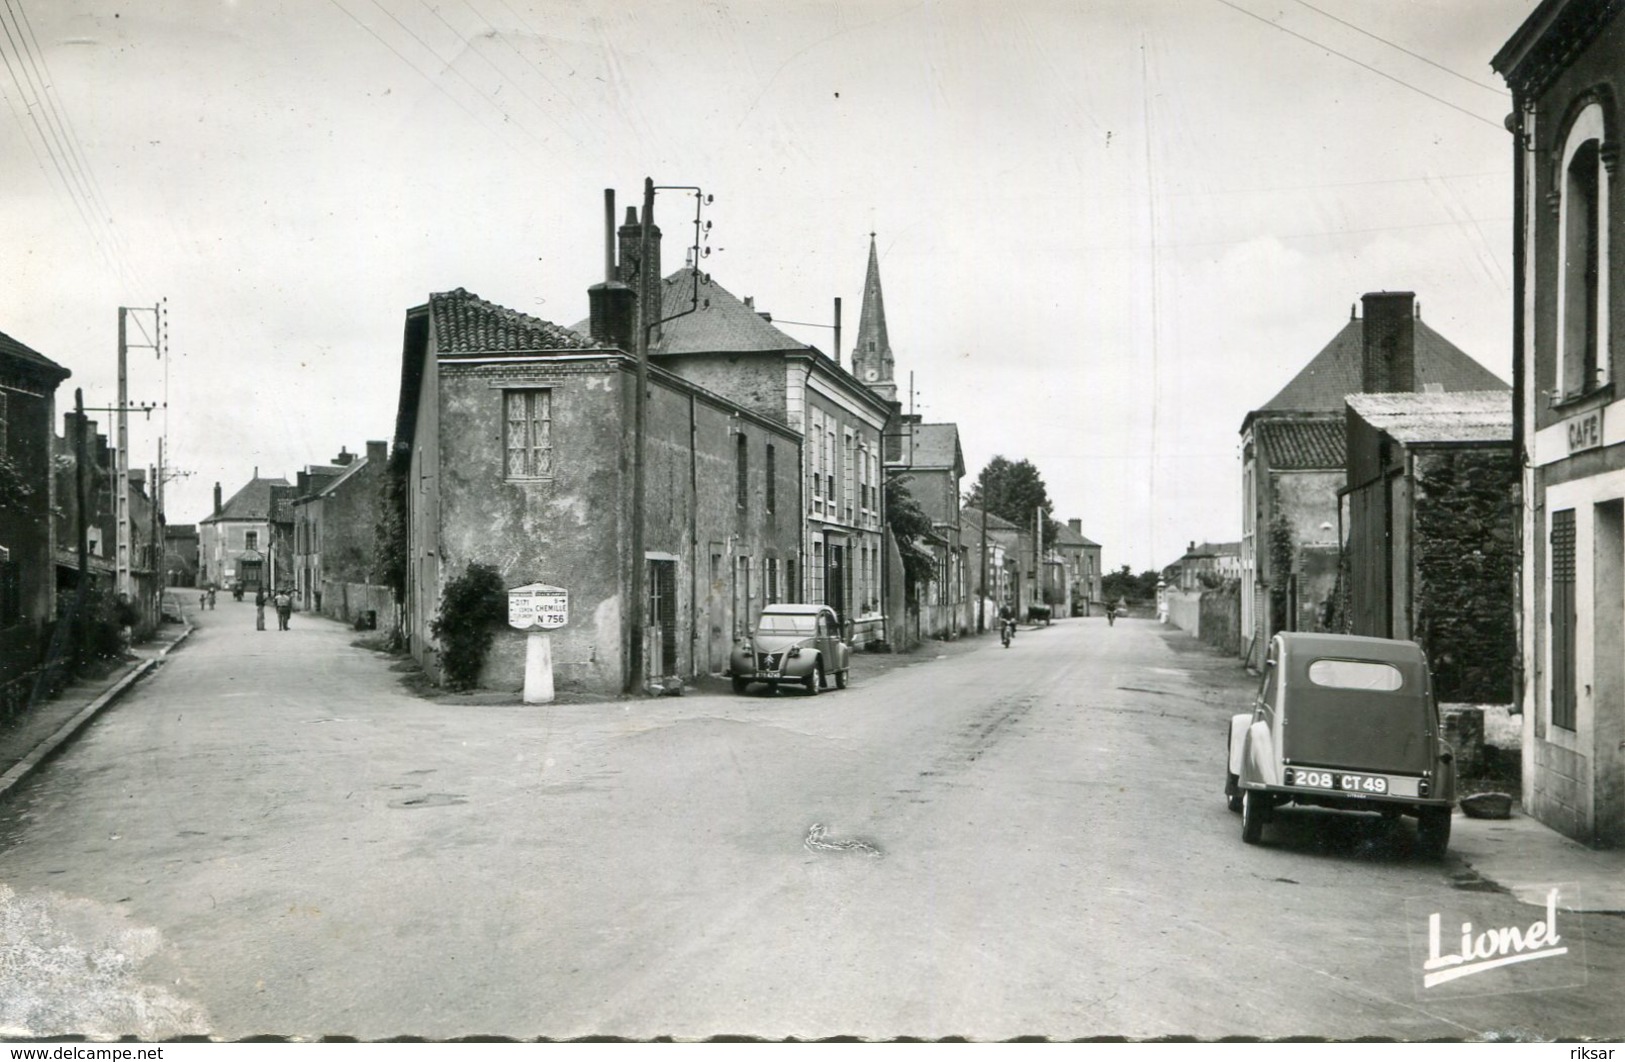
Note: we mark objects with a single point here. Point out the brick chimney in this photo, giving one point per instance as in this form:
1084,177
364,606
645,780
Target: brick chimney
1388,344
377,453
643,278
1076,524
217,497
611,305
344,457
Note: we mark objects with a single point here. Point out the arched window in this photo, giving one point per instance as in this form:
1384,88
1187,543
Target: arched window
1582,277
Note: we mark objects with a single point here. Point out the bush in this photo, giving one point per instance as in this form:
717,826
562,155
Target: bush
474,603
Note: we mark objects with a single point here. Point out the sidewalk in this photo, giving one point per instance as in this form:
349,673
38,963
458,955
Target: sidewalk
1523,856
31,740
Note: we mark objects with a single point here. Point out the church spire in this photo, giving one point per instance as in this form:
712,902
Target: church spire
871,356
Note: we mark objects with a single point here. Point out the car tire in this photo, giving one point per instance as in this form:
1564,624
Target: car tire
1432,832
840,679
740,684
1232,792
815,677
1255,812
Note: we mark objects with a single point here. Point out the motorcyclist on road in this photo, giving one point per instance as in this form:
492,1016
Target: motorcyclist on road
1007,622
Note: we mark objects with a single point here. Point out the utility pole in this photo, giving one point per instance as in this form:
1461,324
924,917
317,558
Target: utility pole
981,618
121,466
640,413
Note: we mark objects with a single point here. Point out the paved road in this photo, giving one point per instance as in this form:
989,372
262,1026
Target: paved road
271,837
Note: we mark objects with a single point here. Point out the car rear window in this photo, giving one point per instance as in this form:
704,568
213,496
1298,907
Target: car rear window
1356,675
782,624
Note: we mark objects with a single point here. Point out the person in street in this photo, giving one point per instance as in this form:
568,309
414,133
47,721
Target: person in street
1007,621
259,608
1111,614
284,608
211,599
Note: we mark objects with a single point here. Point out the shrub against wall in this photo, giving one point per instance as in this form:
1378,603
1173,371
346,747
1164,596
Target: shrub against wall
472,606
1466,568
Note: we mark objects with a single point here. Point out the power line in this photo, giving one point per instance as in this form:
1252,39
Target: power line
1364,65
1397,47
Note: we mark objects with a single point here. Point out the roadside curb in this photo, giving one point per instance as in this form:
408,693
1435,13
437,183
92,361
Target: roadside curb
70,730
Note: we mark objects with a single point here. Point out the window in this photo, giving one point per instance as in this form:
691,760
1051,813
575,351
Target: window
1356,675
847,486
1563,619
3,414
741,470
251,540
771,589
1583,235
11,593
529,444
768,470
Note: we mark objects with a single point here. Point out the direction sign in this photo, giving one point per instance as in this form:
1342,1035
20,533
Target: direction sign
537,606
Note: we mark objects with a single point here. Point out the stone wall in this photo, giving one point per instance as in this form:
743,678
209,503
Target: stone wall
1466,563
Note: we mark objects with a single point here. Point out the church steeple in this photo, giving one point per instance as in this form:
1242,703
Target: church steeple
871,355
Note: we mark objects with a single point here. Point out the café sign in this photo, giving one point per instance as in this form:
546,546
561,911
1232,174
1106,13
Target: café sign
537,606
1585,431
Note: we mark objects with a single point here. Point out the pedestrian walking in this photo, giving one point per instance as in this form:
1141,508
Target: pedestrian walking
259,609
284,608
211,599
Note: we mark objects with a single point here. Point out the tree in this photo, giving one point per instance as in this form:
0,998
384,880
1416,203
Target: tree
1125,585
910,528
1014,491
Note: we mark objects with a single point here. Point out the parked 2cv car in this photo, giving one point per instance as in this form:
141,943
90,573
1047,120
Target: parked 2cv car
798,644
1343,722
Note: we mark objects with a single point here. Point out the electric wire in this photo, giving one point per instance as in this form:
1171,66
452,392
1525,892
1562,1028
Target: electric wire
1401,48
66,122
1360,63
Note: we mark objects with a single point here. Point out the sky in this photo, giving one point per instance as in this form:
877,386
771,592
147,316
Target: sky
1106,228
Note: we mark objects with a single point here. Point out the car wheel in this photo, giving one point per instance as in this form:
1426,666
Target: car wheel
1255,812
1432,832
840,679
815,677
740,684
1232,792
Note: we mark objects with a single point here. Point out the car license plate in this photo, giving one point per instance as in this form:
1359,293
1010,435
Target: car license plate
1338,781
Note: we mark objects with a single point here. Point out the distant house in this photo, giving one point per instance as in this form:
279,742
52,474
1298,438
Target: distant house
990,543
1565,66
927,459
28,383
1081,560
335,516
236,540
1432,543
180,555
520,435
1204,565
1294,457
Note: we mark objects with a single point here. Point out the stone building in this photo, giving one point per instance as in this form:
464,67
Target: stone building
1565,66
1081,559
28,383
1294,457
180,555
335,517
236,541
1432,555
520,434
927,459
725,345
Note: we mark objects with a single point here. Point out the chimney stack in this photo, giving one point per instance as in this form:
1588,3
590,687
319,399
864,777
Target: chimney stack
642,277
1388,343
377,453
217,497
612,305
1076,524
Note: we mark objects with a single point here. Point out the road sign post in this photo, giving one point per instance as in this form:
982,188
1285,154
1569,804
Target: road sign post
538,608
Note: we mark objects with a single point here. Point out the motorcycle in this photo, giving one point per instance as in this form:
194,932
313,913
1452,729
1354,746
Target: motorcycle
1007,631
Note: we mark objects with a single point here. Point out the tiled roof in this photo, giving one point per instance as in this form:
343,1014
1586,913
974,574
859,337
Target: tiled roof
1335,371
252,502
1465,416
933,446
1301,443
464,323
32,358
1065,536
720,323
